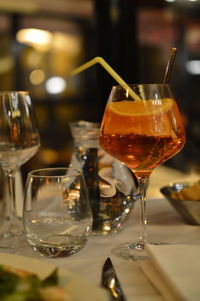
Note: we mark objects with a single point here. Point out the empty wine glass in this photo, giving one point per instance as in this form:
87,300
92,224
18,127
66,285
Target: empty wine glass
19,141
142,134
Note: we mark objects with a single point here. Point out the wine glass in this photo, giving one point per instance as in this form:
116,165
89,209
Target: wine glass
142,134
19,141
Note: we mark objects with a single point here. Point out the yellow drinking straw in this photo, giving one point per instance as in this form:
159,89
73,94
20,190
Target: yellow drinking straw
107,67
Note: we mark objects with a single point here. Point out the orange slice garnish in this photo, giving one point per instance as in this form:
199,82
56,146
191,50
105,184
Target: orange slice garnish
141,108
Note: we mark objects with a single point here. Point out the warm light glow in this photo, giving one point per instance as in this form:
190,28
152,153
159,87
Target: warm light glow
49,156
46,41
35,37
193,67
6,64
66,42
106,228
37,77
55,85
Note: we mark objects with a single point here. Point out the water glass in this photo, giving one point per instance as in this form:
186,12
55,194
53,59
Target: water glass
57,215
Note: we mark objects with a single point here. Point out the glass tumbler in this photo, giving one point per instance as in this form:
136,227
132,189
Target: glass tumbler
57,216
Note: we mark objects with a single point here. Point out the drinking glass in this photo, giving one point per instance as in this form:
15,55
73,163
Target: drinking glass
57,215
19,141
142,134
110,184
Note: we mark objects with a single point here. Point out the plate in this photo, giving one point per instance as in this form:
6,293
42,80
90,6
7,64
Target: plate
79,289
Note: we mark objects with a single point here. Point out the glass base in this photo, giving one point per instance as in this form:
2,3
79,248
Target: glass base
131,251
54,251
12,240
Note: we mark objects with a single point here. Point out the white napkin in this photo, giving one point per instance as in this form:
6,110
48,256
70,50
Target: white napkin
174,270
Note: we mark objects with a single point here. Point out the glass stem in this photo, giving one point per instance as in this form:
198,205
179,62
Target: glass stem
142,185
12,199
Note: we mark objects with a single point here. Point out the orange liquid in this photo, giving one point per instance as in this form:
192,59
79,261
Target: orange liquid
142,141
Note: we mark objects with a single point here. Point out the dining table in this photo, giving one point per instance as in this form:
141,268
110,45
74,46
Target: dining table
165,225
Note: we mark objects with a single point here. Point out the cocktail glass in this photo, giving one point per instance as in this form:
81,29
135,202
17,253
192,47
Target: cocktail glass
141,133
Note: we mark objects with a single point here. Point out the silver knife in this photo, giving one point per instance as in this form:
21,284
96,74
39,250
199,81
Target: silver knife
111,281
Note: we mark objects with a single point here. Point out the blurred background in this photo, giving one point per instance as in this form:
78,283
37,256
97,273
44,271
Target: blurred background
43,40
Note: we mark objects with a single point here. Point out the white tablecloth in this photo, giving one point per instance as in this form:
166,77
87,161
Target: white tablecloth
164,225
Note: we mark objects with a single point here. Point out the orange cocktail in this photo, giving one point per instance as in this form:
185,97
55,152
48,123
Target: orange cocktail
142,134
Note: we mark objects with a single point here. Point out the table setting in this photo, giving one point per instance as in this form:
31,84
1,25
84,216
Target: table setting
87,222
165,225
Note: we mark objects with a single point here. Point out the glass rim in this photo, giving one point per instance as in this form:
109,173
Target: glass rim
141,84
85,124
36,173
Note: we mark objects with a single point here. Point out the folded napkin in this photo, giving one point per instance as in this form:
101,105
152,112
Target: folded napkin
174,270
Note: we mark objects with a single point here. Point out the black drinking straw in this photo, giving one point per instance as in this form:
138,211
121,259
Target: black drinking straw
170,64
